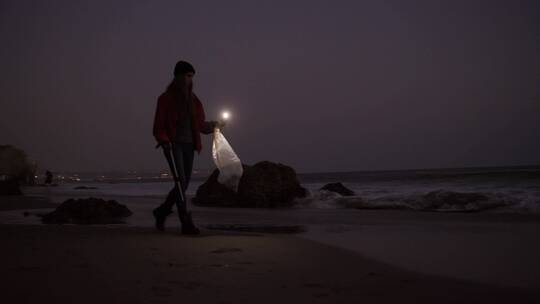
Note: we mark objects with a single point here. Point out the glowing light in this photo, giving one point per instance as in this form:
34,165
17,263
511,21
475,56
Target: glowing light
225,115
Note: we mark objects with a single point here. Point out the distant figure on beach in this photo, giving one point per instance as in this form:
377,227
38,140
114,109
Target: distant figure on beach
178,122
48,177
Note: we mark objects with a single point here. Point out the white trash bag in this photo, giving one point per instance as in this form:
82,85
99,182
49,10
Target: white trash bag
227,162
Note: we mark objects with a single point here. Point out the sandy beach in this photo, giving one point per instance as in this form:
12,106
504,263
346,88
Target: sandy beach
344,256
85,264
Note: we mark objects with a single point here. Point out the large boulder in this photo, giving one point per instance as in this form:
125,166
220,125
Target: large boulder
265,184
9,187
338,188
84,188
88,211
15,165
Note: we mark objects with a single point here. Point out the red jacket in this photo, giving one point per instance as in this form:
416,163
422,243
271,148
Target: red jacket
167,115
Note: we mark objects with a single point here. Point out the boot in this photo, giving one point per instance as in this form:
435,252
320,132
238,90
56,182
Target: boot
187,224
160,215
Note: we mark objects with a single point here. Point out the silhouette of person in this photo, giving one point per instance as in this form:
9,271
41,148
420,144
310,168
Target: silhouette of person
48,177
179,120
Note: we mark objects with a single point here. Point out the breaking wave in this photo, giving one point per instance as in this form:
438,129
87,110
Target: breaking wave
439,200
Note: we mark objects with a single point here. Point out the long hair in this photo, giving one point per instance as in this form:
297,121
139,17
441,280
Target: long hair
181,93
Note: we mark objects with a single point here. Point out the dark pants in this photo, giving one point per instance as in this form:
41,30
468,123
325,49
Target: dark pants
183,157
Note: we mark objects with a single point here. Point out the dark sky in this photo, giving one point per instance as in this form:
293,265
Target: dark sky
318,85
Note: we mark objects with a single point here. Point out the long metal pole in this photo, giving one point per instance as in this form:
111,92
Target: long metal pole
177,181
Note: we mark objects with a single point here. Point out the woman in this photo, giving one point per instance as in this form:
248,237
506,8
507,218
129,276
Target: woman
178,122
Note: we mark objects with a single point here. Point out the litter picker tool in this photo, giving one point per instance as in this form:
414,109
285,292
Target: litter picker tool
177,181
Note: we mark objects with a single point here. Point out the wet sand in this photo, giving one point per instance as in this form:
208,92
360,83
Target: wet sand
119,264
344,256
20,202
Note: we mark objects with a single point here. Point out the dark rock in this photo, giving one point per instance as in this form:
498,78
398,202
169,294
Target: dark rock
87,211
265,184
226,250
15,165
48,177
46,185
84,188
10,187
268,184
338,188
212,193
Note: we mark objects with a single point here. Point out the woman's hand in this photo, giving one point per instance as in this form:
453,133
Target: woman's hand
165,145
220,124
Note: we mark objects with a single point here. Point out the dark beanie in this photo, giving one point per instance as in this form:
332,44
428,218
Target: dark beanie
183,67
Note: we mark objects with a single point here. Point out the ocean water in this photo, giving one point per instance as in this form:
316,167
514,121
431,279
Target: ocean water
503,189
